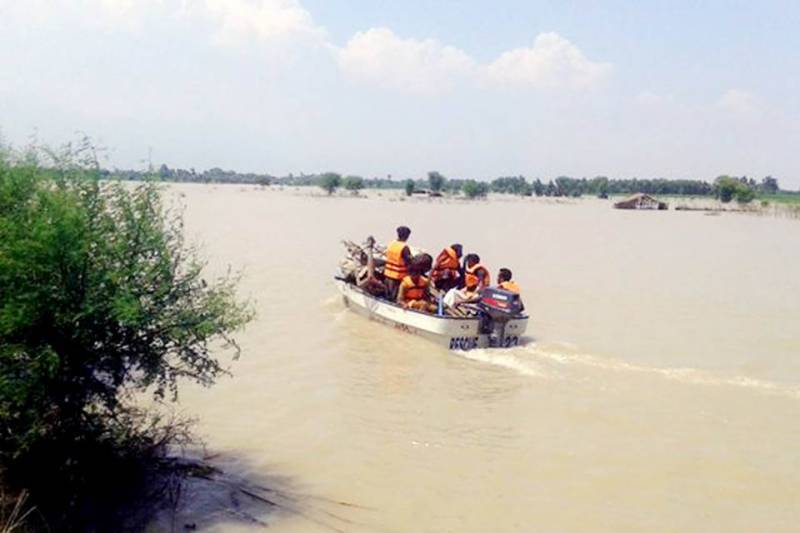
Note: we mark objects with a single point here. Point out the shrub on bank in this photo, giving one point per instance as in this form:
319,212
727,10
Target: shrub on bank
100,300
475,189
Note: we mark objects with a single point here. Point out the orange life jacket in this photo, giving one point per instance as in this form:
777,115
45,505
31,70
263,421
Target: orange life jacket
510,286
449,262
395,268
471,279
414,290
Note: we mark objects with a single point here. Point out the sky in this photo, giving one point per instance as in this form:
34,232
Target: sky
471,88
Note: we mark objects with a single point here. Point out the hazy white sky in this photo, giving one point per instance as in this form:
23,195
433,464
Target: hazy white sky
472,88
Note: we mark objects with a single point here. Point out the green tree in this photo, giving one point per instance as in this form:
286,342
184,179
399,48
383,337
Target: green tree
527,189
475,189
330,181
725,188
538,187
101,300
165,173
770,185
436,181
353,183
409,187
599,186
745,194
512,185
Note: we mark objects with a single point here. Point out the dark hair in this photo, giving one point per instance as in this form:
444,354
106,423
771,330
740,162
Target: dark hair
403,232
420,264
457,248
472,258
504,275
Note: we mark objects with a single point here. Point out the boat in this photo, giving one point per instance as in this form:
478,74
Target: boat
492,328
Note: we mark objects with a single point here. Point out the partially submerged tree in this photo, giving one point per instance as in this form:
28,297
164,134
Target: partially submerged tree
353,183
475,189
727,188
769,185
409,187
436,181
101,300
330,181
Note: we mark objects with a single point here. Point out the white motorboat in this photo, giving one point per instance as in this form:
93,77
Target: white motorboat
495,326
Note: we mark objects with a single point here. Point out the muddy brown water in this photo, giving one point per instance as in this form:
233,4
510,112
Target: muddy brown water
660,389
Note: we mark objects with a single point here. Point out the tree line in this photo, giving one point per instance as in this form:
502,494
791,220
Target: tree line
723,187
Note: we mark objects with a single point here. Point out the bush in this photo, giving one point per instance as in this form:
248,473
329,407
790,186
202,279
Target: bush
475,189
353,183
436,181
409,187
727,188
100,300
330,181
744,194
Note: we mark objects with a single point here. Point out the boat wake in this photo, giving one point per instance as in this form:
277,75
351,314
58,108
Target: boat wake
505,359
562,361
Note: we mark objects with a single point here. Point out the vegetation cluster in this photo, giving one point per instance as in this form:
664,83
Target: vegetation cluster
101,302
724,188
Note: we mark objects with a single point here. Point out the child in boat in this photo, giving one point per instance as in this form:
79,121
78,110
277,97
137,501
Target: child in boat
414,290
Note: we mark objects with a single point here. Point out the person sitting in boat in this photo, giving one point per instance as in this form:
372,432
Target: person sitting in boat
368,278
414,290
398,258
476,278
446,272
505,282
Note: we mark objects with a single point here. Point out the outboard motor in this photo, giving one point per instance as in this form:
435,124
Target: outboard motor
498,306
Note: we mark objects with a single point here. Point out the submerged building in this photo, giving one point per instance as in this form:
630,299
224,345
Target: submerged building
641,201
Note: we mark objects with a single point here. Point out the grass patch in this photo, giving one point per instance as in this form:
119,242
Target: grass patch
782,198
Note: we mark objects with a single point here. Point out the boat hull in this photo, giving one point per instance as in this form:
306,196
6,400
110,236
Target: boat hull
451,332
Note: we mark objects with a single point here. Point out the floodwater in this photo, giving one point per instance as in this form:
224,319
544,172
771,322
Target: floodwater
660,390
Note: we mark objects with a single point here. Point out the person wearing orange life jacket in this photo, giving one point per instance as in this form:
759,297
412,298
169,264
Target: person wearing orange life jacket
446,272
476,276
413,292
505,282
398,257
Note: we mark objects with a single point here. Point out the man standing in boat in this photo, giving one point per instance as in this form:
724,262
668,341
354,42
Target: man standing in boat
398,258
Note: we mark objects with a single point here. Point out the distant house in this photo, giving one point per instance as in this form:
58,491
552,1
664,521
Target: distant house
641,201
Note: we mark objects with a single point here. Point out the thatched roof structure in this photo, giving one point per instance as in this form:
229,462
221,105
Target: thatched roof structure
641,201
